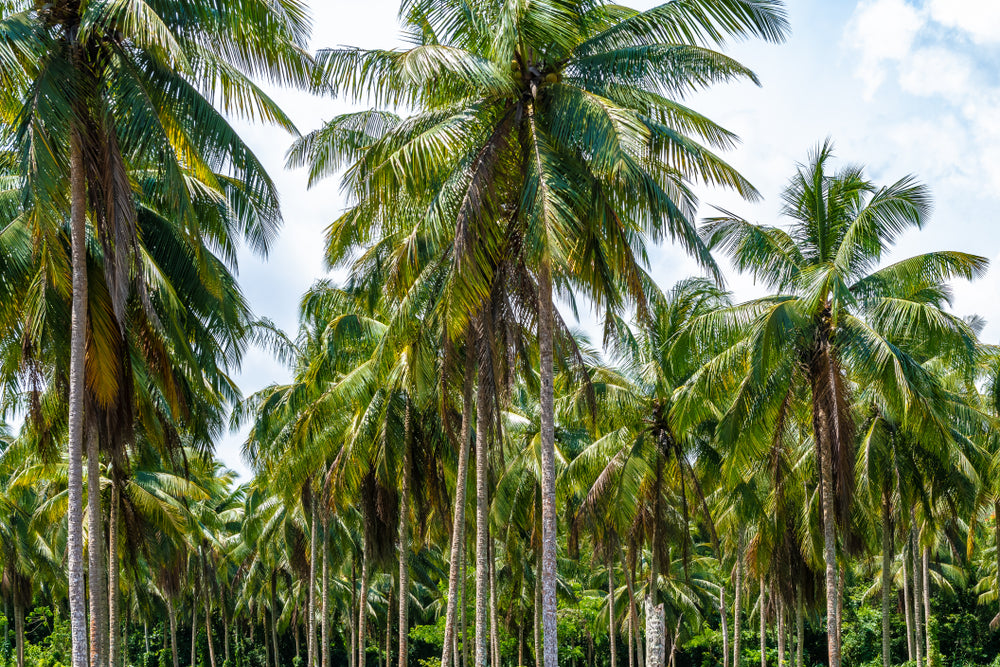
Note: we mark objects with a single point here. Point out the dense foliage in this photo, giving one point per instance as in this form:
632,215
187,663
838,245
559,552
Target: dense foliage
452,476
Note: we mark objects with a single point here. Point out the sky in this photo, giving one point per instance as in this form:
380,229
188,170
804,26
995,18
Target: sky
901,86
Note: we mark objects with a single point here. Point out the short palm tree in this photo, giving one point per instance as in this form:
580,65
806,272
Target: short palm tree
836,321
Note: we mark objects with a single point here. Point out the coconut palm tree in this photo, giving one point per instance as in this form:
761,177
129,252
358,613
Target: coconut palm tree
836,321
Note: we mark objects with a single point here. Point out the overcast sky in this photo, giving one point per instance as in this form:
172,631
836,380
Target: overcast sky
902,86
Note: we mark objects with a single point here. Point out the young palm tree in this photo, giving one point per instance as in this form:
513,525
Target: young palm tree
836,321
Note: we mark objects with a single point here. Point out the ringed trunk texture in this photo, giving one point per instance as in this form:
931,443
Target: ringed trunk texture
738,603
762,604
918,594
114,608
311,612
404,539
95,554
173,630
194,631
363,603
494,631
324,618
780,605
78,333
547,423
465,607
482,516
208,624
19,633
907,603
458,523
927,602
633,611
886,578
724,620
611,612
538,612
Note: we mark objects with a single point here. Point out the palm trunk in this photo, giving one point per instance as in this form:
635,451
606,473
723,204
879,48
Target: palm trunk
538,612
918,594
208,625
780,608
547,424
520,643
388,626
363,603
19,632
324,606
763,624
98,573
482,515
800,630
907,603
225,630
927,601
311,612
633,611
78,333
655,647
724,622
886,578
274,617
611,610
172,615
465,607
194,631
114,596
352,616
494,610
404,538
145,636
458,525
738,603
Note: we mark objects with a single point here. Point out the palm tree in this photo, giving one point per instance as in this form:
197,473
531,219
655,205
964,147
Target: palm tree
835,322
543,140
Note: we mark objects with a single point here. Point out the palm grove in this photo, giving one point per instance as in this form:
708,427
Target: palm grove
454,475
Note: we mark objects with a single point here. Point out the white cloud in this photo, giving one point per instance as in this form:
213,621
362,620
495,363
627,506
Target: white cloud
979,18
882,31
935,71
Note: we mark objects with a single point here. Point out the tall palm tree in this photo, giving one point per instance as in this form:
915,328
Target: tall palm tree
544,138
836,321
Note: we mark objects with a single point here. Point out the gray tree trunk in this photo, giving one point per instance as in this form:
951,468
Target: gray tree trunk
633,611
800,630
547,426
363,604
780,609
611,611
404,537
388,626
886,578
482,517
494,631
927,602
724,621
114,596
539,659
738,604
208,621
762,613
324,606
274,617
172,615
918,594
907,601
194,629
95,553
311,590
458,524
19,632
465,608
78,333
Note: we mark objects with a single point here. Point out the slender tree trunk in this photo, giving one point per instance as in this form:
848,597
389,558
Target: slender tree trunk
494,610
295,632
655,619
172,615
194,631
907,602
145,636
927,602
520,643
404,537
918,594
225,630
465,607
458,524
822,383
780,609
114,595
352,625
738,603
611,610
482,514
547,420
324,619
78,333
267,642
886,578
19,632
631,642
800,630
762,609
208,624
98,573
388,627
363,603
539,660
274,616
313,555
633,611
724,622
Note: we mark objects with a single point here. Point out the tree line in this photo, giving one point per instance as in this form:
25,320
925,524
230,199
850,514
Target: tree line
707,462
